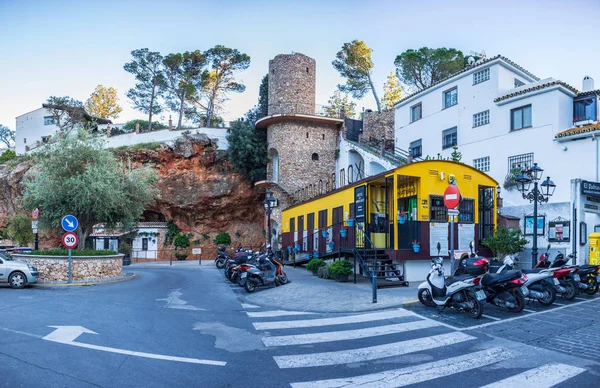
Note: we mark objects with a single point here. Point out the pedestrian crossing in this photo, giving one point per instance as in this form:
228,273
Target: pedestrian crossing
310,342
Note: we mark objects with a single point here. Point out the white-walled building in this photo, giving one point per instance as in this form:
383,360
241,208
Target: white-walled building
501,116
34,127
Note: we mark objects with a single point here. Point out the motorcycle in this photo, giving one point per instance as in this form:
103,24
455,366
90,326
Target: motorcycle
240,257
588,277
268,271
567,278
221,258
540,282
452,291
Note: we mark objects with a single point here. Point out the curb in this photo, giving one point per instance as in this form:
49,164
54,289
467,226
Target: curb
80,283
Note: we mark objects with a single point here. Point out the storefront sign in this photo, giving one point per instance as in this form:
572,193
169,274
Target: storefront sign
359,202
590,188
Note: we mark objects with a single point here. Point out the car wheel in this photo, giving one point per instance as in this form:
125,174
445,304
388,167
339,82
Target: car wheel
17,280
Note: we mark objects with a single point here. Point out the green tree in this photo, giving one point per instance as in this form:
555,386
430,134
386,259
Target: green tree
223,238
7,155
77,175
219,78
66,112
183,79
262,109
7,136
247,149
424,67
354,64
146,66
392,91
338,103
103,103
19,230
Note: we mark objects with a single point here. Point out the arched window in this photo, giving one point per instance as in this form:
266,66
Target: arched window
315,156
275,162
350,174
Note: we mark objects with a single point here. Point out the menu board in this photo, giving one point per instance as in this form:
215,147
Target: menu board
438,232
466,234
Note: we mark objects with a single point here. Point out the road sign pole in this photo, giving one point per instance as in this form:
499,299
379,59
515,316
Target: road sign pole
36,242
452,245
70,267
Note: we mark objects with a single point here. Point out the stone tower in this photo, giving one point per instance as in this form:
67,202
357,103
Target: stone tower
301,142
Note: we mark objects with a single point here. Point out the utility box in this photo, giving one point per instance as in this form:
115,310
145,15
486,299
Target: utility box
594,241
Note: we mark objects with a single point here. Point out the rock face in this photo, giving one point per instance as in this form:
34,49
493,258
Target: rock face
198,191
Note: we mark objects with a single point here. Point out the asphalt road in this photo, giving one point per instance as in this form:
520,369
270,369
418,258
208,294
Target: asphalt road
186,326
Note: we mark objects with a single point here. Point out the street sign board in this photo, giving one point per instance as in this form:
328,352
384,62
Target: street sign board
453,212
35,213
34,225
451,197
196,251
69,223
34,231
70,240
359,203
590,188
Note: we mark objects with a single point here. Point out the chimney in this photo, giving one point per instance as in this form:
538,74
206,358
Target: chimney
137,128
588,84
108,131
170,124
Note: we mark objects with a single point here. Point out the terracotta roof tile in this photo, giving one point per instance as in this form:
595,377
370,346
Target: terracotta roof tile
534,88
467,68
578,130
589,93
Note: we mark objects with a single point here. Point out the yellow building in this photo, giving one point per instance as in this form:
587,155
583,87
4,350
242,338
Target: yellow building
391,212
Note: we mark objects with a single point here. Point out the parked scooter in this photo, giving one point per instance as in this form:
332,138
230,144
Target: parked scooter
567,277
268,271
221,258
452,291
540,282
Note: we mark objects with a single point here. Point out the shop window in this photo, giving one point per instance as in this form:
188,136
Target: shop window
467,211
437,210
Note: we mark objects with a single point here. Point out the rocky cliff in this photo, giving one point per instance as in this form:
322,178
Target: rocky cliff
198,191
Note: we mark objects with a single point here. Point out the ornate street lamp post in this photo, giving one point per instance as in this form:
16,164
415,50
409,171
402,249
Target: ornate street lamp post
269,203
524,180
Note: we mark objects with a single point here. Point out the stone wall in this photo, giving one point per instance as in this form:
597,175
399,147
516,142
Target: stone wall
292,80
85,268
296,143
377,124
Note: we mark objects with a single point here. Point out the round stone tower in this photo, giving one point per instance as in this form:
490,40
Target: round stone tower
292,79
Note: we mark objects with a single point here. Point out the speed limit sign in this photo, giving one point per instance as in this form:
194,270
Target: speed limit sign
70,240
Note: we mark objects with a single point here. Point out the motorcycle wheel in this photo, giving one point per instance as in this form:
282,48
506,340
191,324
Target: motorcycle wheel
220,263
592,286
571,290
425,297
477,309
233,277
250,286
283,279
240,281
520,302
549,295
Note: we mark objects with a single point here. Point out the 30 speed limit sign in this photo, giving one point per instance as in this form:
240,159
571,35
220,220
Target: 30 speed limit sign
70,240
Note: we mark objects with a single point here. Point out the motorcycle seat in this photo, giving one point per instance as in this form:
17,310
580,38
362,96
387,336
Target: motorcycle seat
453,279
588,266
585,271
534,270
491,279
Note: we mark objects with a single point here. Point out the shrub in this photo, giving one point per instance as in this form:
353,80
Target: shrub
19,229
75,252
340,267
130,125
7,155
505,241
181,241
223,238
323,272
125,248
314,265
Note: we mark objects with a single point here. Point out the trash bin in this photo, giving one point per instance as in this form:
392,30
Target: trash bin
126,261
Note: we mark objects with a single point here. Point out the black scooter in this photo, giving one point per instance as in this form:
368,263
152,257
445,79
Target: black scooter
268,271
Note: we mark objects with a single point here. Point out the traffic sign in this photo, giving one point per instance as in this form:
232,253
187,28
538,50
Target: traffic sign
69,223
453,212
34,225
451,197
70,240
34,232
35,213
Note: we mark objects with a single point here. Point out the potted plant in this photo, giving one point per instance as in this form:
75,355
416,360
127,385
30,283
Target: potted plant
504,241
125,249
324,233
314,265
344,231
402,217
416,246
340,270
181,241
350,222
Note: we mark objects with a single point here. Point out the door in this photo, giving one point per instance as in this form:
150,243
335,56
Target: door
3,270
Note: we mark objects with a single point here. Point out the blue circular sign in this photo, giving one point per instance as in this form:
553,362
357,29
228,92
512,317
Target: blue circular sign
69,223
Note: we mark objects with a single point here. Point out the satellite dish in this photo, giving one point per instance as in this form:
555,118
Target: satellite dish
471,61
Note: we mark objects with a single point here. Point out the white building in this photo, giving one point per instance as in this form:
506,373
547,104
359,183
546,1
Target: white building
33,128
501,116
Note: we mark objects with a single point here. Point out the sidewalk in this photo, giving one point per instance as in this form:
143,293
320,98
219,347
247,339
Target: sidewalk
306,292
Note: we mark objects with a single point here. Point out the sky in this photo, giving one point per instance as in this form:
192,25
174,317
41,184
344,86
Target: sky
53,47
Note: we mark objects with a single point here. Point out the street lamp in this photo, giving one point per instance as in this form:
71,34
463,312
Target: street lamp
268,203
524,181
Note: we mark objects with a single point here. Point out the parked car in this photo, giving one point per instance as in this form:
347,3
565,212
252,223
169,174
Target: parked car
17,273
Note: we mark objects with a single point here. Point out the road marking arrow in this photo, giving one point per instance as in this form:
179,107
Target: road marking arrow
68,334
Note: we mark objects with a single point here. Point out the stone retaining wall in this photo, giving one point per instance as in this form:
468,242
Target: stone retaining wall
93,268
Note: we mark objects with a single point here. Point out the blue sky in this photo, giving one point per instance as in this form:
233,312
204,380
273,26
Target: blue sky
68,47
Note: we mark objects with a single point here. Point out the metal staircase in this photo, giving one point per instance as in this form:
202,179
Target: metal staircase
396,156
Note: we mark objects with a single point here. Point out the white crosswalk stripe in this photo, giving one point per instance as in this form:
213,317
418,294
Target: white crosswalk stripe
275,313
415,374
330,336
371,352
332,321
545,376
400,332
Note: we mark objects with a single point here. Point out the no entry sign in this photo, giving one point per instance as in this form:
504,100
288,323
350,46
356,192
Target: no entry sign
70,240
451,197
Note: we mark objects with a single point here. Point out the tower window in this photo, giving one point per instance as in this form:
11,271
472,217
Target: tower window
307,135
315,156
273,71
307,70
323,136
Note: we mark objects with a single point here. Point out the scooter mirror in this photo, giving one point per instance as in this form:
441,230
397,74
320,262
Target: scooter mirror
548,248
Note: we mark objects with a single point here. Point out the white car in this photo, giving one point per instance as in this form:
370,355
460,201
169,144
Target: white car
17,273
